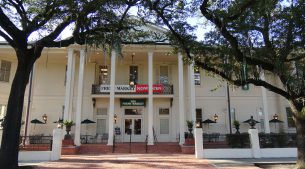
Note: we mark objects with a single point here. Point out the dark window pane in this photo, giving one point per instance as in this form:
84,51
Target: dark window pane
289,117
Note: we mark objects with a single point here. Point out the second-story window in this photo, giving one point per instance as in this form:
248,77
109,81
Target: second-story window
197,77
133,75
5,71
103,74
164,78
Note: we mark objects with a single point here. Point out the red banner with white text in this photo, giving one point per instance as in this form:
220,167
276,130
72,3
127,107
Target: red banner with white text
143,88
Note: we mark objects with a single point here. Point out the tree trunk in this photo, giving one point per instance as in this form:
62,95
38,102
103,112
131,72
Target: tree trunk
12,121
300,127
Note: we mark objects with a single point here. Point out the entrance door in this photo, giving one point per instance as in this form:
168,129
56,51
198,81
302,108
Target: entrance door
134,126
133,123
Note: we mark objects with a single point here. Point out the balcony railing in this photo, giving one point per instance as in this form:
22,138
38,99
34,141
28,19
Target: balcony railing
142,89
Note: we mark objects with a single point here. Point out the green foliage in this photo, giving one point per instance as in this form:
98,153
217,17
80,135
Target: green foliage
236,123
68,123
189,123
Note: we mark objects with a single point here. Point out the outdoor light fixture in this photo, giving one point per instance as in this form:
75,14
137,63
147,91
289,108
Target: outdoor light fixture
115,118
198,124
45,118
215,117
132,76
60,123
276,117
131,83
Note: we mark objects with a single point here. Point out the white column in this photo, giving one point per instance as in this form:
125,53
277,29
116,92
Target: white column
254,140
69,84
111,99
80,91
181,99
265,105
192,104
56,144
198,143
150,99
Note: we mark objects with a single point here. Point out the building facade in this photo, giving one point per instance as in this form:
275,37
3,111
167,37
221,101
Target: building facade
79,82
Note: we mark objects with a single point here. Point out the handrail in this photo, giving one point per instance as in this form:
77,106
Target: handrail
146,143
113,144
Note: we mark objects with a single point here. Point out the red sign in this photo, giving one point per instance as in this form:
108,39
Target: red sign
143,88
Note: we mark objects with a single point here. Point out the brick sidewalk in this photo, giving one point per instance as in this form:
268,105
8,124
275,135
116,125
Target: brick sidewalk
128,161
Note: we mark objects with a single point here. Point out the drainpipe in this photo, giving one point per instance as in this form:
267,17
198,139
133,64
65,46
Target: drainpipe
29,104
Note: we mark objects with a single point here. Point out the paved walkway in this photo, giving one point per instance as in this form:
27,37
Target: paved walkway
127,161
154,161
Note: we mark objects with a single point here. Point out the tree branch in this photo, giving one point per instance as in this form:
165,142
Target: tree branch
241,10
56,31
11,29
239,82
8,39
20,10
166,22
232,40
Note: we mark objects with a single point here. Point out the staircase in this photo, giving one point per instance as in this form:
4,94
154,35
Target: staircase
136,148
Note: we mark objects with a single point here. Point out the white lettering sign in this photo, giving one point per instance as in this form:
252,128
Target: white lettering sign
118,88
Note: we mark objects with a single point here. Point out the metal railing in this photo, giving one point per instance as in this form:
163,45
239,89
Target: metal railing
146,143
277,140
35,143
94,139
238,140
167,90
113,144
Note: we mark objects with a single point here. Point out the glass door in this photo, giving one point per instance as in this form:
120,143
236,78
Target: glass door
135,125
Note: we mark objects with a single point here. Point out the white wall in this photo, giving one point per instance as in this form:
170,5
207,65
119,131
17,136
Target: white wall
34,156
227,153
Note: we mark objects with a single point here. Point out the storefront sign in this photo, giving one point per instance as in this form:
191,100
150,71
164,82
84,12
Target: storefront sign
118,88
140,88
157,88
132,102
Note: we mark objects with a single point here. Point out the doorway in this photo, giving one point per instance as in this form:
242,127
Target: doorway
133,125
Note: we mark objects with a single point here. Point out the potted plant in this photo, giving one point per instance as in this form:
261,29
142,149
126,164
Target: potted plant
190,139
236,125
68,124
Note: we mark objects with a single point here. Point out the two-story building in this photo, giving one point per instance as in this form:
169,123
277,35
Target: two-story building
148,89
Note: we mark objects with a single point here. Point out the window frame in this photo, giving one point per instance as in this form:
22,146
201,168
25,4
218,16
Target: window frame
5,70
197,72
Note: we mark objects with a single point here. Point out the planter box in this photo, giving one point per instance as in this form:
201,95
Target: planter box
189,141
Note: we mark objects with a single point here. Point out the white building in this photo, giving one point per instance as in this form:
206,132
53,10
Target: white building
78,83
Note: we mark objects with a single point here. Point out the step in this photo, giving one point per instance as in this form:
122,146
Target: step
134,148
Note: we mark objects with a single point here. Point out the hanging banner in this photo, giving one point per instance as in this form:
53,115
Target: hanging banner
157,88
132,102
140,88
